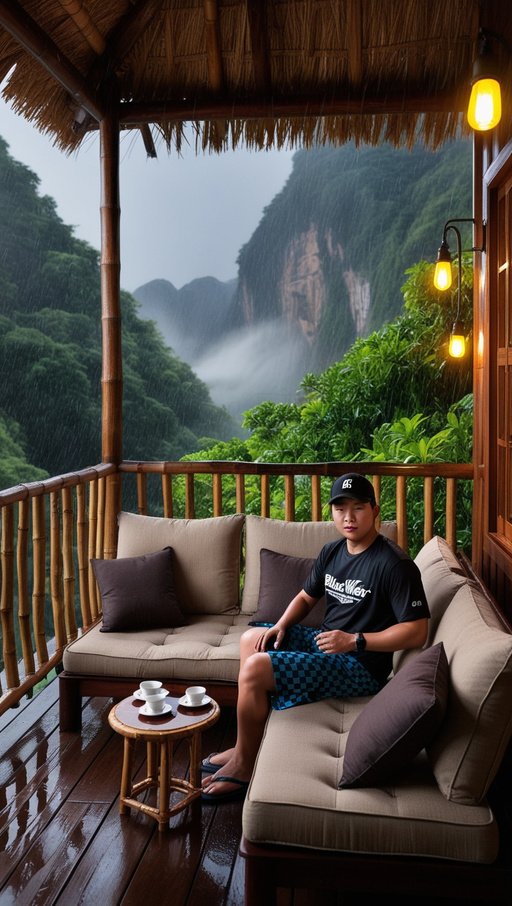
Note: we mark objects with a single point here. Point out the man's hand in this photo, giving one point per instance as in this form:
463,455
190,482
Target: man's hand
335,641
270,638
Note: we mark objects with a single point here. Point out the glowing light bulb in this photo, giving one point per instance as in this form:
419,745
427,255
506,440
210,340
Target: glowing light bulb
484,108
457,344
443,275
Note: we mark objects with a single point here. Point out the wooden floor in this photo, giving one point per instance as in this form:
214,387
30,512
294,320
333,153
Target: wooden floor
62,840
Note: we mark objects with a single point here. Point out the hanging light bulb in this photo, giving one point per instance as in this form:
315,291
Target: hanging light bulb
443,271
484,108
457,344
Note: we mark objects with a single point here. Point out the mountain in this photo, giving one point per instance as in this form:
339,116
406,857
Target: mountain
329,255
324,266
191,318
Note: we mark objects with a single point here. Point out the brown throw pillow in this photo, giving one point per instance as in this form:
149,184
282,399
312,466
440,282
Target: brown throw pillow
138,592
399,721
281,578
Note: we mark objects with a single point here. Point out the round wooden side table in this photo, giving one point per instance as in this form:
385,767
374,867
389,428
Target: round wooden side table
160,733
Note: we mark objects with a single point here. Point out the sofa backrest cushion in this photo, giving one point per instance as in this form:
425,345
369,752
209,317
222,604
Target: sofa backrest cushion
469,747
206,556
138,593
281,578
442,576
296,539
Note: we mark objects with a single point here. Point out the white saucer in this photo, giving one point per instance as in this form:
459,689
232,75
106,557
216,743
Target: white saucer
147,712
186,704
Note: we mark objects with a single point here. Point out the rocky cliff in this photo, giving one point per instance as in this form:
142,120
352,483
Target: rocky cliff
324,266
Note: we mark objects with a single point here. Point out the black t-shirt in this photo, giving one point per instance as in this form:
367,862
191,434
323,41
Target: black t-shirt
368,592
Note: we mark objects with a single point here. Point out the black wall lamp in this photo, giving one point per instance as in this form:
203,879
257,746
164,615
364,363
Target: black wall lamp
443,280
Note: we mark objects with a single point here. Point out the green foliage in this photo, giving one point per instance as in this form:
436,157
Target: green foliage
415,439
14,468
50,351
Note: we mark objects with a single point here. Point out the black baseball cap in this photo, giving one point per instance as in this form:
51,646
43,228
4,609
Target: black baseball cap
355,486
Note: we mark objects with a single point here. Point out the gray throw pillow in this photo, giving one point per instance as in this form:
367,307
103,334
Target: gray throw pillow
399,721
138,593
281,578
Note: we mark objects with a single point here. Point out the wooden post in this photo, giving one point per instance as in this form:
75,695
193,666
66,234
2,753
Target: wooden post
112,371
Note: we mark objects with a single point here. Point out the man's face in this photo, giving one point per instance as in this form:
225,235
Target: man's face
354,519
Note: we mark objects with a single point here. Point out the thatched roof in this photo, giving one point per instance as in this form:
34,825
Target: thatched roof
263,72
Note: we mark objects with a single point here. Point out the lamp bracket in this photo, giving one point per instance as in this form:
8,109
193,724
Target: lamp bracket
450,225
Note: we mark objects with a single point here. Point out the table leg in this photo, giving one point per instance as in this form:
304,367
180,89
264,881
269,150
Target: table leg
194,747
126,775
166,757
152,761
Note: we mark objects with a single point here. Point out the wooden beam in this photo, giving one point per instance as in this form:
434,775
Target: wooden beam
134,113
36,42
257,19
147,138
213,50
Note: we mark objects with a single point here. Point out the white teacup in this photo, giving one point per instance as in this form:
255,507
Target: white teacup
195,694
156,701
149,687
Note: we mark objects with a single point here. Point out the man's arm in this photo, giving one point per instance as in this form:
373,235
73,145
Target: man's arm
412,634
297,609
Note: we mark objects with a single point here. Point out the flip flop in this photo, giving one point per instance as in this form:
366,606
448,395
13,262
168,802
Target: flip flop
208,767
230,795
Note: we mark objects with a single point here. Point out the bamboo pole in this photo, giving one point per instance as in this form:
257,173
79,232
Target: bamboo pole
39,578
82,540
401,511
376,481
240,493
7,598
451,512
110,269
112,507
289,498
217,494
189,497
428,508
316,498
22,573
100,522
142,493
93,529
167,495
68,564
265,495
56,572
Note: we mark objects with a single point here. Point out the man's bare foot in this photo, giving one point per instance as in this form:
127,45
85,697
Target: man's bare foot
212,763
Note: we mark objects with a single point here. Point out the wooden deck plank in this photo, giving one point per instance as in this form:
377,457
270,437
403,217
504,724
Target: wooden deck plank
62,839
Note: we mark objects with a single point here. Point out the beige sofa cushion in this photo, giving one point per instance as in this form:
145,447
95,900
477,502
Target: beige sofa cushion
293,797
442,576
206,650
206,556
468,749
296,539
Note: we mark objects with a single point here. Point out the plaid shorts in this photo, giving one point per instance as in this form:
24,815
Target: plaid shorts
304,674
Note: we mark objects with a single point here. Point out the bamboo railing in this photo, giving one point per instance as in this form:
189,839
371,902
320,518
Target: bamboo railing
50,531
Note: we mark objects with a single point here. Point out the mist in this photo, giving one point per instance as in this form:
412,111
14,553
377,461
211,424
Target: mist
254,364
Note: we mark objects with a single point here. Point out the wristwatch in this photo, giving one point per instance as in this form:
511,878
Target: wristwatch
360,642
